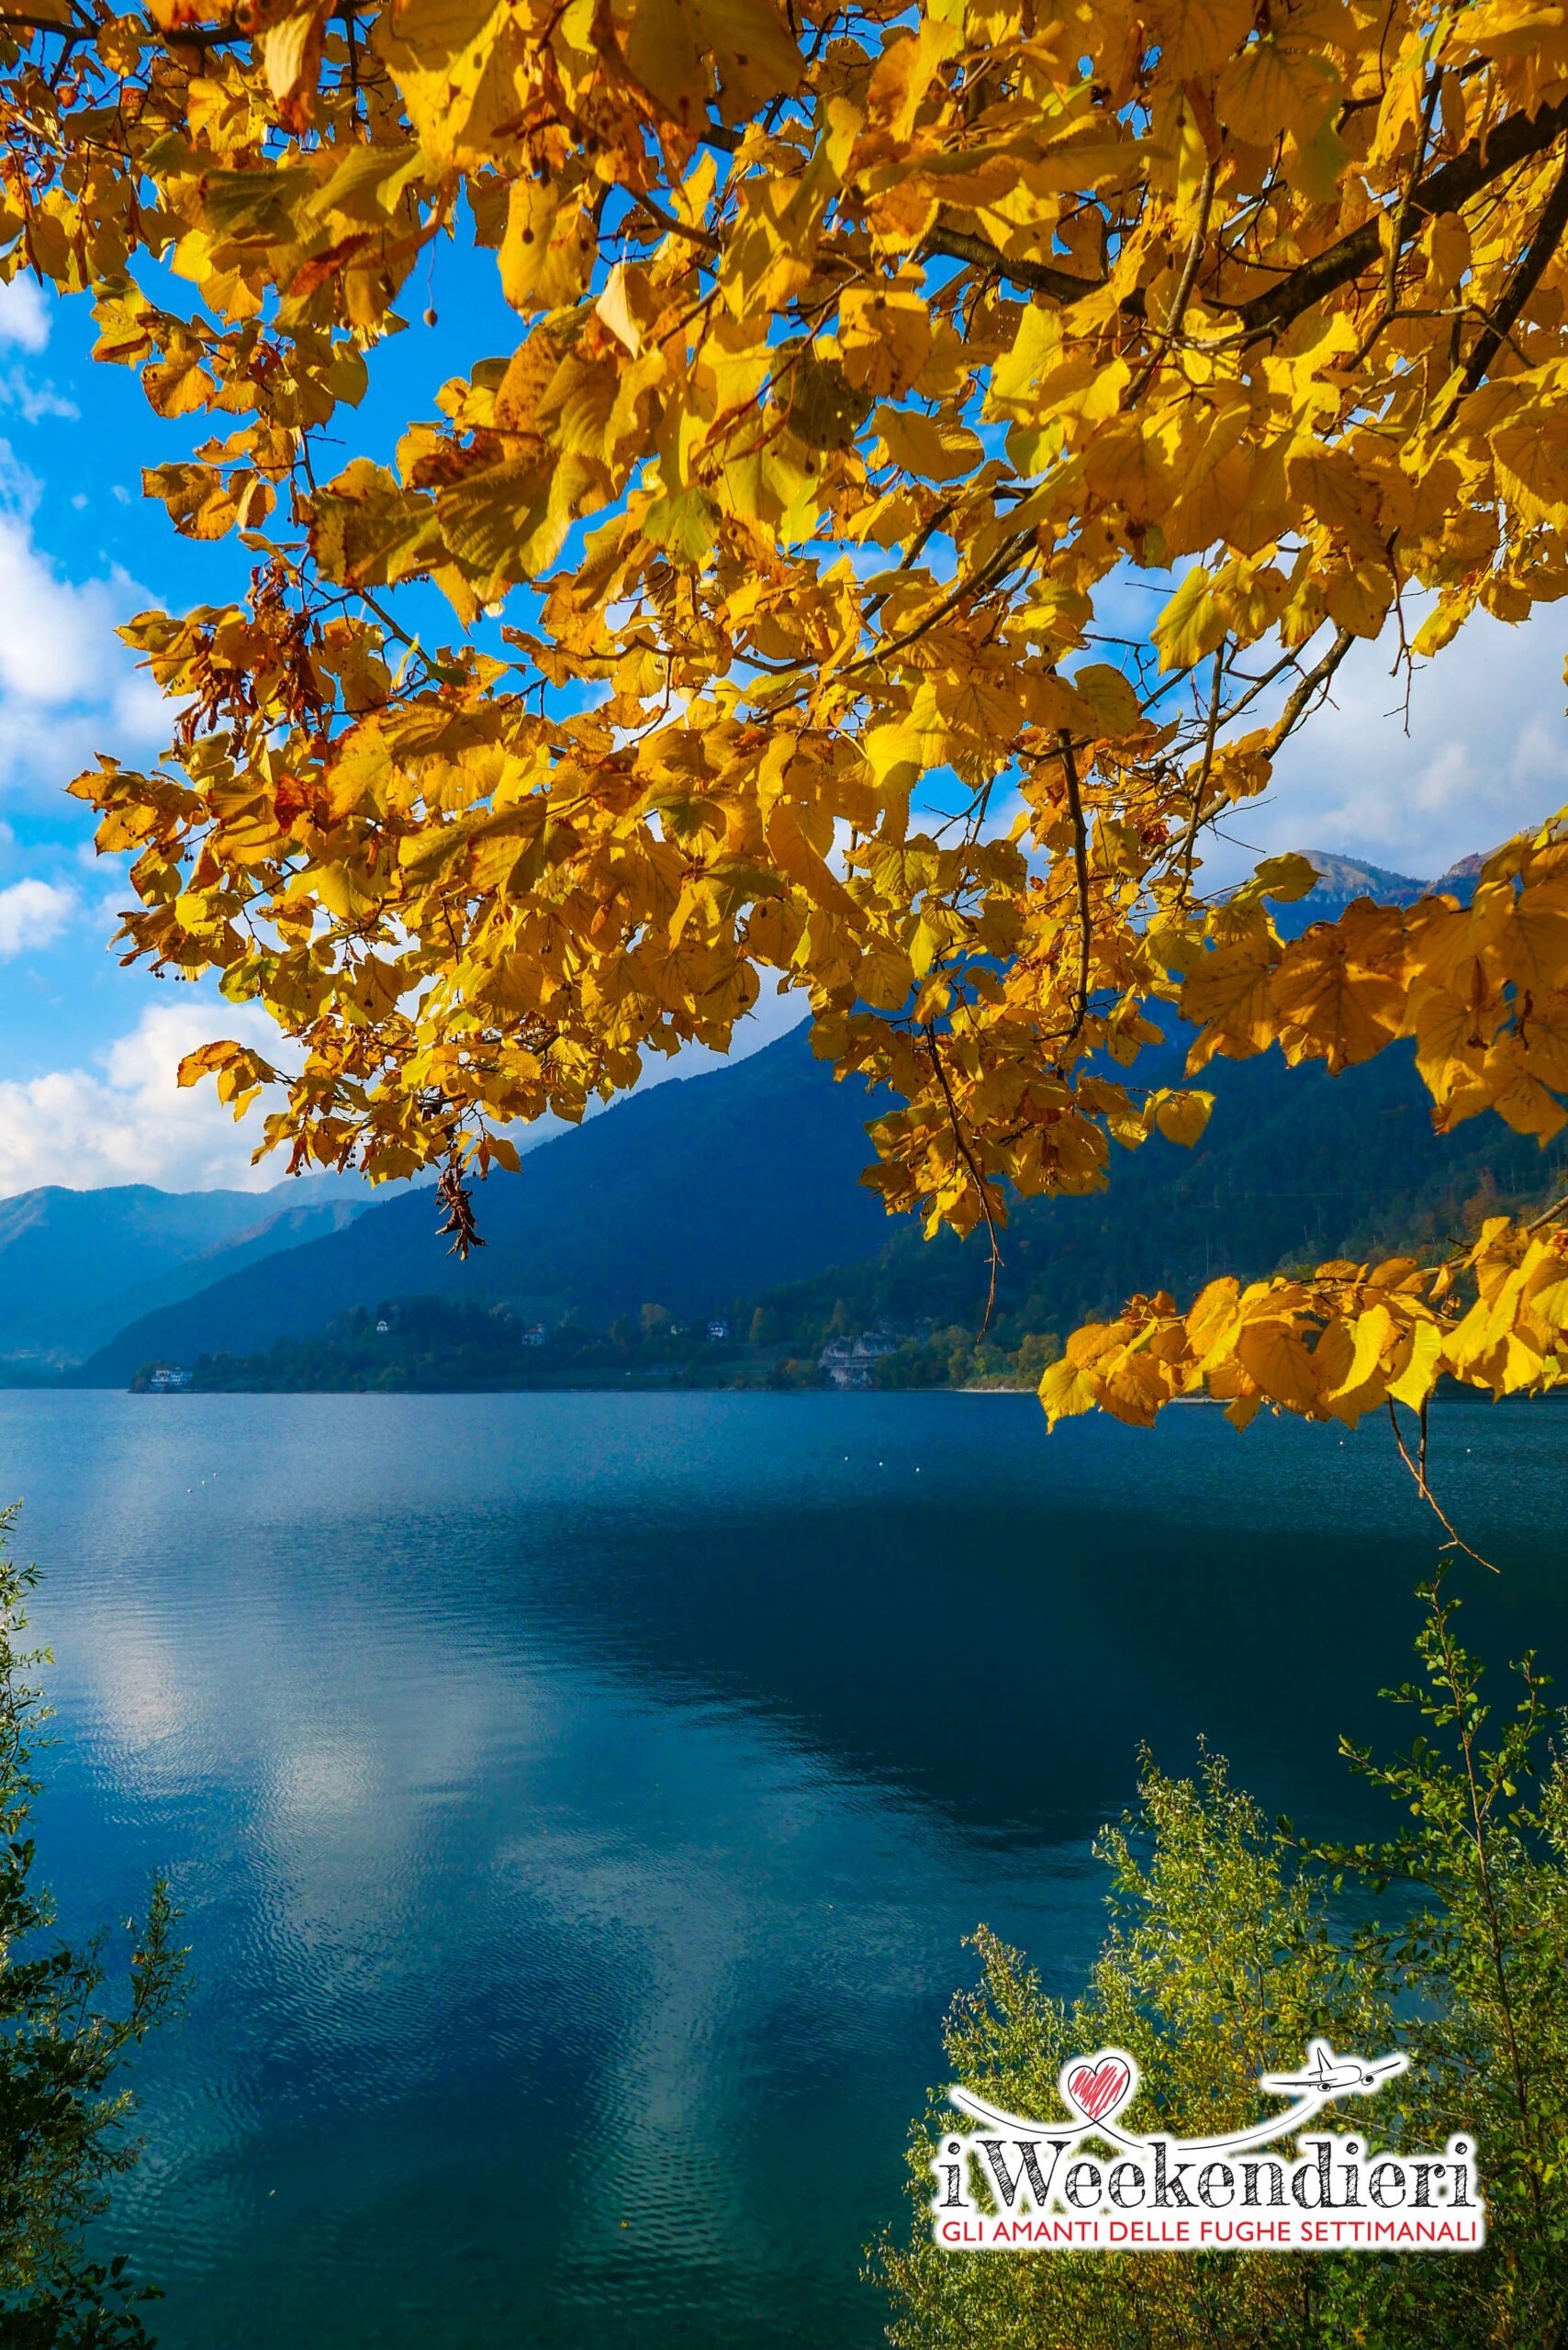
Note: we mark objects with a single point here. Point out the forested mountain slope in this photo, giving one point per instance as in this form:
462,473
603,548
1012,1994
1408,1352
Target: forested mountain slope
700,1188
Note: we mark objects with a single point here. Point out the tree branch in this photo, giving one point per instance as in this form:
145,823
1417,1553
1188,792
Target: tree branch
1417,1468
1080,881
1447,189
1317,676
984,576
1040,276
1521,284
71,27
670,227
1183,293
975,1176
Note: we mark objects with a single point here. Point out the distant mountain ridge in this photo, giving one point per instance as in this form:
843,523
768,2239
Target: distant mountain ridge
76,1266
1342,879
682,1196
689,1195
1296,1166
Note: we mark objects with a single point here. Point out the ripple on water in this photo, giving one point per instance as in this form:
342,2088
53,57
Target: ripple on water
577,1803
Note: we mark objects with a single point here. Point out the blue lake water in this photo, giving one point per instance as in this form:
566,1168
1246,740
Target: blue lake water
577,1803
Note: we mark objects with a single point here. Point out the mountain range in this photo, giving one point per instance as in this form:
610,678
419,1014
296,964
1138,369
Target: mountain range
705,1191
76,1266
685,1195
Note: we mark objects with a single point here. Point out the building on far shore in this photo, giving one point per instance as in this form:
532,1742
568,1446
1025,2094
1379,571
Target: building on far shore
718,1327
168,1378
850,1362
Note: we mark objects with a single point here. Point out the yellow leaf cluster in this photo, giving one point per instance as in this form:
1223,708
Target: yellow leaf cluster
1344,1341
750,617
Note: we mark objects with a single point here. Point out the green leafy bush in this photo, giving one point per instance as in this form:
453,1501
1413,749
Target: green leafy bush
1229,1944
64,2111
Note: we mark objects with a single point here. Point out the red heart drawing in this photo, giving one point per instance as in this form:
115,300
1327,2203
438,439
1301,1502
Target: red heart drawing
1098,2088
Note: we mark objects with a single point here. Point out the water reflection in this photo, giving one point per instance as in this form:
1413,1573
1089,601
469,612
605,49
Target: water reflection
578,1802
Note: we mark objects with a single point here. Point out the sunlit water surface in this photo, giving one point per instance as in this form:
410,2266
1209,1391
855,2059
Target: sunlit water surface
577,1803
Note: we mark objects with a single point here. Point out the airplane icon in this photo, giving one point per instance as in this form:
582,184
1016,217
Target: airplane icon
1330,2075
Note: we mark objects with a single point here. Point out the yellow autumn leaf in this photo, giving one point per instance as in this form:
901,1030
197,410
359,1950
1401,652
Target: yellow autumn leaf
1277,86
1191,625
1333,994
885,336
613,307
1182,1117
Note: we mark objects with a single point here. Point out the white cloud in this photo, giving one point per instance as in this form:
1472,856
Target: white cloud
68,687
127,1121
1480,754
24,315
1485,754
31,913
33,399
24,326
52,630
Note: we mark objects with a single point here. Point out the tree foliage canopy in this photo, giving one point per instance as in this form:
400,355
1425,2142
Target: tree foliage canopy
865,357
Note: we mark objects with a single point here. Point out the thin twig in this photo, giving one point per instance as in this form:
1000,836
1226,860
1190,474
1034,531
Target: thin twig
1080,880
975,1176
985,576
1200,789
1258,685
1416,1464
1172,326
917,546
1397,238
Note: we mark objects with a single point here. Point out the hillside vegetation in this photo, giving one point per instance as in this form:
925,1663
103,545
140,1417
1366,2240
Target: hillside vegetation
736,1194
689,1193
1294,1166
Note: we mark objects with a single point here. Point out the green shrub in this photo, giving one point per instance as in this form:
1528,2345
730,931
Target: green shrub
1229,1944
64,2111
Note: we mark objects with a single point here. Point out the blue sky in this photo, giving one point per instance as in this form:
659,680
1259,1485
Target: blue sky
87,1050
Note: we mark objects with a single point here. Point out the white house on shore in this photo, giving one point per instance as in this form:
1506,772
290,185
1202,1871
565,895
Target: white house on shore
849,1363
